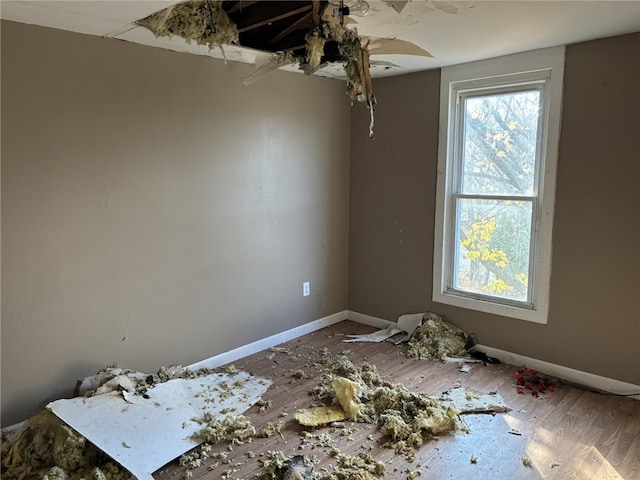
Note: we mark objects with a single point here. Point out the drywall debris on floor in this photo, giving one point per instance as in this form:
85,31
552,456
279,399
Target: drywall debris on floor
374,337
466,400
323,415
156,419
277,466
45,447
109,379
363,466
405,324
430,336
125,425
346,393
438,339
406,417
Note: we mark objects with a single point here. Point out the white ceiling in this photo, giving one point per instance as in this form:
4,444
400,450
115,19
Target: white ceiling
453,32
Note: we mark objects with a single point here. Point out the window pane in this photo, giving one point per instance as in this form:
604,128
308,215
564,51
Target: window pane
492,247
500,142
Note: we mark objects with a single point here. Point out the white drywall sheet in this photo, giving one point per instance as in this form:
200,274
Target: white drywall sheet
143,434
407,324
469,401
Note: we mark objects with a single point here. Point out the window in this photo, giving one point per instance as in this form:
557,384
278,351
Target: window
499,129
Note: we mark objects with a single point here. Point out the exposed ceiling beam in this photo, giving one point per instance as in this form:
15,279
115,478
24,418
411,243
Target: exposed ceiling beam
291,28
240,5
275,14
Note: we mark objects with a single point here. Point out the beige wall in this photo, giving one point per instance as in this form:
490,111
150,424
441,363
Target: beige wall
148,195
594,319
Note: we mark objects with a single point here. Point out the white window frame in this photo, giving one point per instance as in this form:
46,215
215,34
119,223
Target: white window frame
546,65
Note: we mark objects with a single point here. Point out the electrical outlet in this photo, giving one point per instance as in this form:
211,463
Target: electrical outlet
305,289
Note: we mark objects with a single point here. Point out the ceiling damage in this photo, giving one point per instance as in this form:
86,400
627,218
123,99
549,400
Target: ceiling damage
273,34
454,31
310,33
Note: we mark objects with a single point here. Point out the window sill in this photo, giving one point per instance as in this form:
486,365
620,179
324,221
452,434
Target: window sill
535,315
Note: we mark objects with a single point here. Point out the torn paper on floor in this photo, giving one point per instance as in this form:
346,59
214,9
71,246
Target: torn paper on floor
469,401
144,432
405,324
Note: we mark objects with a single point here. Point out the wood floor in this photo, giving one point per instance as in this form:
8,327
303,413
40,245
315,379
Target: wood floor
568,434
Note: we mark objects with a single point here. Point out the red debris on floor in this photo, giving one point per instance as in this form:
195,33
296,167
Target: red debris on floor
529,379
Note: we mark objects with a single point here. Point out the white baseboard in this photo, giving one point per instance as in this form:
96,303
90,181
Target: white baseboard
368,320
273,340
245,350
565,373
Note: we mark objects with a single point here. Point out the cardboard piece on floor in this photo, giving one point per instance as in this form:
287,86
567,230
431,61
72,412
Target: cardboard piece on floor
406,324
143,434
469,401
